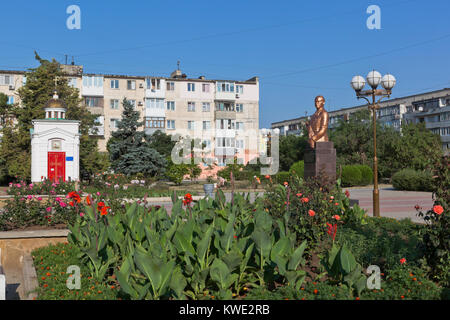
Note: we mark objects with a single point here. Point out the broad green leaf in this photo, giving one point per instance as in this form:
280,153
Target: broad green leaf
297,256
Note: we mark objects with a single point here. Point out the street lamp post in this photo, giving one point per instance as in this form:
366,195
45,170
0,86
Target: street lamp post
388,82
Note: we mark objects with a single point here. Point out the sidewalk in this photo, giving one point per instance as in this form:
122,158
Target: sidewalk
393,203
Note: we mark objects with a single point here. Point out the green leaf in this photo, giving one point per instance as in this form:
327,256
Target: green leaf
348,262
219,272
262,242
297,256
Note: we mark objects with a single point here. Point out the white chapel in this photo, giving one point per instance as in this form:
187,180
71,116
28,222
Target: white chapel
55,144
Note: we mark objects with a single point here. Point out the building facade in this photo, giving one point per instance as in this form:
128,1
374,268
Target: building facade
432,108
222,113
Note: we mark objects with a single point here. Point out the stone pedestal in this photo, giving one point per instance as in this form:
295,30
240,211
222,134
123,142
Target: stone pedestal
321,161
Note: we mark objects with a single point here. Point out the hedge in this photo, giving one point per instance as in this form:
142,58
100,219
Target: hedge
351,176
412,180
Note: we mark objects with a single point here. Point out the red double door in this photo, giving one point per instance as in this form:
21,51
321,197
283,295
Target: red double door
56,170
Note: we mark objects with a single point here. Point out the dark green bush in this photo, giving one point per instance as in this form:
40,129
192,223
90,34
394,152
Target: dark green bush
283,176
366,174
298,168
351,176
412,180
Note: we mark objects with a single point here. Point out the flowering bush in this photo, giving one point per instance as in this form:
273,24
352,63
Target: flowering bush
307,207
436,235
46,187
30,210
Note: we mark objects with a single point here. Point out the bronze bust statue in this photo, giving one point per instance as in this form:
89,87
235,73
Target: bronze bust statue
318,125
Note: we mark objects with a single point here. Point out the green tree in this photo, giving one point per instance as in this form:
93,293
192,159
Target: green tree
291,149
4,108
161,142
39,88
128,150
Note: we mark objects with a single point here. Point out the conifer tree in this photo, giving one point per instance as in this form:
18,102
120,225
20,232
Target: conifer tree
129,152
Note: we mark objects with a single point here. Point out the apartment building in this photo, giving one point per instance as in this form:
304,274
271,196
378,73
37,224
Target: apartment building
224,114
432,107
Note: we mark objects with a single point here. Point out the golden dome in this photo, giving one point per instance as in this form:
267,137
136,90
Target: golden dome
55,102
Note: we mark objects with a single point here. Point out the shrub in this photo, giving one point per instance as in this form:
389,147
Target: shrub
366,174
351,176
283,176
176,172
412,180
298,168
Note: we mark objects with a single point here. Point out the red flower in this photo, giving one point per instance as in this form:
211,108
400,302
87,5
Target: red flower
402,260
305,200
75,196
299,194
347,194
337,217
187,199
311,213
100,205
332,229
72,204
417,207
88,201
438,209
104,211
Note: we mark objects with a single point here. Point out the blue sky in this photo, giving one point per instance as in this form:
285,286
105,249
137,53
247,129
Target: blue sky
299,49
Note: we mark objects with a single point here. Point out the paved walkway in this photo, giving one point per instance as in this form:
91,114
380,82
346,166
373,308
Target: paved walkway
393,203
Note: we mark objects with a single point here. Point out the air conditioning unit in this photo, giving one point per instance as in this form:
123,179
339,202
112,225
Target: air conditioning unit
140,103
141,85
237,96
11,87
153,90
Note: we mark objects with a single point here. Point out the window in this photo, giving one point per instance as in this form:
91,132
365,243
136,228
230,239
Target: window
239,107
191,106
154,122
224,106
240,144
191,86
170,124
171,105
93,102
205,87
207,144
93,81
225,142
225,124
239,126
225,87
191,125
239,88
154,103
170,86
206,107
72,82
10,100
153,84
115,84
6,79
131,84
114,103
113,123
206,125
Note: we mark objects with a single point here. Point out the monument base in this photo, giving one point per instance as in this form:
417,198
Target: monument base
321,161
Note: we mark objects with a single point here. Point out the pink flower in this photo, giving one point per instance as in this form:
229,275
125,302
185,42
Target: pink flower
31,185
39,198
29,197
402,260
23,199
18,185
98,193
299,194
63,204
81,214
48,209
58,199
331,197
